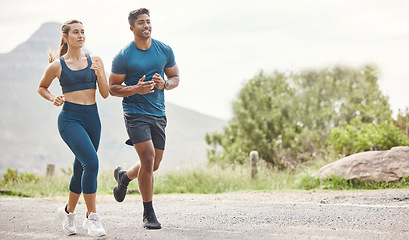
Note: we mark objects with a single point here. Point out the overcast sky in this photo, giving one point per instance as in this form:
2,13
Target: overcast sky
219,45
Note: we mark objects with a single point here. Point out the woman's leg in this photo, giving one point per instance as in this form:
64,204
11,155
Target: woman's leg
90,202
80,128
72,201
75,186
94,132
81,145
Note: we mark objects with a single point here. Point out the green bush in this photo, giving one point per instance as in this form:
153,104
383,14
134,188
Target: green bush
358,137
12,176
29,177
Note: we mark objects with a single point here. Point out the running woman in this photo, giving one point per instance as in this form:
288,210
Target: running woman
78,123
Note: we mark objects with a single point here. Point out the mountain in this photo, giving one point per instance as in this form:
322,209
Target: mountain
29,139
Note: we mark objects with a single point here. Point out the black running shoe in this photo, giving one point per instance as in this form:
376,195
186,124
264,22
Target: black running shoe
120,188
150,222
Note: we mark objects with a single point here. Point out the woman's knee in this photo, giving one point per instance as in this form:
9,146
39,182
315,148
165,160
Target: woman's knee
89,180
91,166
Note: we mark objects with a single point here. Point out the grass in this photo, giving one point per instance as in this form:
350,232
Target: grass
334,182
215,179
201,180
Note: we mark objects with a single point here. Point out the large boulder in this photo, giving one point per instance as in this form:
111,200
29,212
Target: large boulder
389,165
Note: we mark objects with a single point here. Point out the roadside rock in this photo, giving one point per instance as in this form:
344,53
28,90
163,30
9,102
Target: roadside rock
389,165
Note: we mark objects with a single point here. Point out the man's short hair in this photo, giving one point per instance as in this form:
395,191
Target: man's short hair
133,15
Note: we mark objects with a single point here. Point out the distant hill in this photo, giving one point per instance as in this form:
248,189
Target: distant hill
29,138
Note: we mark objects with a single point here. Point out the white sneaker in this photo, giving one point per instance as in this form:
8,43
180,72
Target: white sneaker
67,219
93,226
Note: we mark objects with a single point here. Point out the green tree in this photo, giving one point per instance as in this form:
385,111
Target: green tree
287,116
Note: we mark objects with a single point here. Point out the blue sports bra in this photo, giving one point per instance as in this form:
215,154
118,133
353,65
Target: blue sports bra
75,80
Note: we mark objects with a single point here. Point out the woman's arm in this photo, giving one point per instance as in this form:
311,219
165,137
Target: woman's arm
51,72
98,67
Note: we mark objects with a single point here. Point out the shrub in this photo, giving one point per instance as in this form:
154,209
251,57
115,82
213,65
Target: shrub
358,137
12,176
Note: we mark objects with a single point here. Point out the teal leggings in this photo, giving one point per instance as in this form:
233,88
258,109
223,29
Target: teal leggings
80,128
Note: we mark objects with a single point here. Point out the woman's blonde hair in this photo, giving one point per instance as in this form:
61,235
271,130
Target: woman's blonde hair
65,28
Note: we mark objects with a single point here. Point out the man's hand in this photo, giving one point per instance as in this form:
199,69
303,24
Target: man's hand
144,87
159,82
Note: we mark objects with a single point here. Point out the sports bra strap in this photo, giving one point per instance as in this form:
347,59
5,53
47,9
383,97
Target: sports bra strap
89,61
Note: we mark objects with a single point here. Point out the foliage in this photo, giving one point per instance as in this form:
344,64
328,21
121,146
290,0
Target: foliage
12,176
67,171
216,179
212,179
287,117
202,180
307,182
358,137
402,122
57,185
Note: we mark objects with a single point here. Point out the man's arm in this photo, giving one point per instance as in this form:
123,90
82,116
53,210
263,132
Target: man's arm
173,76
116,88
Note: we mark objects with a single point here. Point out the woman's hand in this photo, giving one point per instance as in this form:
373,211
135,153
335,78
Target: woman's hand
58,101
97,67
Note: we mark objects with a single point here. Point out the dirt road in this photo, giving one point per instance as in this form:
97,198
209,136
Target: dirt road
263,215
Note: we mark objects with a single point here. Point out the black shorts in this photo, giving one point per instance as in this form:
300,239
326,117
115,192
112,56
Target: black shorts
142,128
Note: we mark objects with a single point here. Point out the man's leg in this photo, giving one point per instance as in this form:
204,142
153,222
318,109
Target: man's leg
158,159
146,152
133,171
124,177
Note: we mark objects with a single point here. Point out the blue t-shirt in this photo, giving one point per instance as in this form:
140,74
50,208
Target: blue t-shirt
135,63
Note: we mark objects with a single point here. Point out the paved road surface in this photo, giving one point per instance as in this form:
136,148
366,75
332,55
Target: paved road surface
274,215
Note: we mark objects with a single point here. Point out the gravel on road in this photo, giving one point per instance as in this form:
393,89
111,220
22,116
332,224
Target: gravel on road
355,215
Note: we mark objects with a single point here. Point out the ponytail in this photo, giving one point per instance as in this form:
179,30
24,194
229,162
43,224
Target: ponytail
65,29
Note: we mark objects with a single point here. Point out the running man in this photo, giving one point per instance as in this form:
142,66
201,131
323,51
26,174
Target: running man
142,65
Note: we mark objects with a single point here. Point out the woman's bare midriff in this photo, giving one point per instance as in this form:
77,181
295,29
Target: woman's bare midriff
83,97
